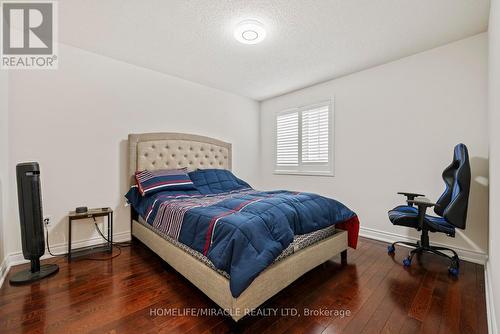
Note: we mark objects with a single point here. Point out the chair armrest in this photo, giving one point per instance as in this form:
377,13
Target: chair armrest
424,203
410,195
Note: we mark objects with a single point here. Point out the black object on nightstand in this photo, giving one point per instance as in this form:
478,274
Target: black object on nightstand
91,214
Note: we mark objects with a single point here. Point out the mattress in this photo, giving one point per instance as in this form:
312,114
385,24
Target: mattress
299,242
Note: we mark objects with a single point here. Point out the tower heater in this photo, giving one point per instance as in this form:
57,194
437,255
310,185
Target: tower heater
31,219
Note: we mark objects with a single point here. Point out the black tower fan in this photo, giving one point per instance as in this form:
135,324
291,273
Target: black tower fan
31,218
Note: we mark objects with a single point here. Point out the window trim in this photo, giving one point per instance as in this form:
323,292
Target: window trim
300,170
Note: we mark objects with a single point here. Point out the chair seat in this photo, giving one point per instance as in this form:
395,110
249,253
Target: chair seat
405,215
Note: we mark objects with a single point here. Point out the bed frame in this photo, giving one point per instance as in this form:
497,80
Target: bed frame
176,150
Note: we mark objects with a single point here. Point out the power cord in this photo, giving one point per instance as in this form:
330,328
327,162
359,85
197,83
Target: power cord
118,245
48,243
107,258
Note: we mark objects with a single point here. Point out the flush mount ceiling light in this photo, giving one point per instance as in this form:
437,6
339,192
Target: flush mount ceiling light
250,32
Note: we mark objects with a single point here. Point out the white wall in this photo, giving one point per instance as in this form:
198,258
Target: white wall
396,126
3,164
493,266
75,120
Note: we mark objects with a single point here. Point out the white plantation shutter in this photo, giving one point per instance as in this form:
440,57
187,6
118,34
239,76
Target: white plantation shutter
287,139
304,140
315,135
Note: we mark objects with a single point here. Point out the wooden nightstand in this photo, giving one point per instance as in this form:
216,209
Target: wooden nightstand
91,214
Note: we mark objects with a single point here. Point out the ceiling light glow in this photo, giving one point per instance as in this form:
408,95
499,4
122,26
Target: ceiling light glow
250,32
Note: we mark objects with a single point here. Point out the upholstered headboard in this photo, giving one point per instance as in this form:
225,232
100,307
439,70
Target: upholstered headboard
153,151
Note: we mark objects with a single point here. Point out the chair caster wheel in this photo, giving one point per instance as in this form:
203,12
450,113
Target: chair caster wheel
453,271
391,249
407,262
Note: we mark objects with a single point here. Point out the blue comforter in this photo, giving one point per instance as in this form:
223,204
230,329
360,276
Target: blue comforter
242,231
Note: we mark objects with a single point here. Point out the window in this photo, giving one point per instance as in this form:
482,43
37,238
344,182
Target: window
304,140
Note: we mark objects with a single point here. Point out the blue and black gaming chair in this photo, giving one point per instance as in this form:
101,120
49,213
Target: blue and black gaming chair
451,209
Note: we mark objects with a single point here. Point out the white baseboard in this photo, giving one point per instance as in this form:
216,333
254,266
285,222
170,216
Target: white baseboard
4,269
464,254
490,306
16,258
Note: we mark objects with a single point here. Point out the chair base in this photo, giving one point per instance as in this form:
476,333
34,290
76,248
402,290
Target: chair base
420,248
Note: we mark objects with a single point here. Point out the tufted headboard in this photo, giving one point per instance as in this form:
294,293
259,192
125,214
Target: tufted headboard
153,151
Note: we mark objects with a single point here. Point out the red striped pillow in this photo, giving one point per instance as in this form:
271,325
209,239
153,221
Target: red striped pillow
150,182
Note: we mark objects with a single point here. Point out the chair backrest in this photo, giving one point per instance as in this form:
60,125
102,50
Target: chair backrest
453,203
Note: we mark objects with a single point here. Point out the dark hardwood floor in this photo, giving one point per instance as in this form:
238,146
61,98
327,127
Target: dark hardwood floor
118,296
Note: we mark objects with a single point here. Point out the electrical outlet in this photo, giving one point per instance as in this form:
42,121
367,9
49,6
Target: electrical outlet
47,220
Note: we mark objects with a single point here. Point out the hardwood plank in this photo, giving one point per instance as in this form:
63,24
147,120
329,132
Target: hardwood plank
337,325
311,287
452,307
366,312
468,316
480,306
432,322
423,298
314,300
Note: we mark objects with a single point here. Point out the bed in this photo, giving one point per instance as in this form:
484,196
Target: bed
154,151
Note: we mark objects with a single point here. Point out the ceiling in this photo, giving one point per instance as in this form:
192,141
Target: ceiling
308,41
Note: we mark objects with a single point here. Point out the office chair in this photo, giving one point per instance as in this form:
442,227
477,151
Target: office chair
451,209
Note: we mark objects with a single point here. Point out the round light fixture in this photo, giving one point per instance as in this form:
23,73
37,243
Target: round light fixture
250,32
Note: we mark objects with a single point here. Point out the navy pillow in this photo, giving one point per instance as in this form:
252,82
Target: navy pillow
150,182
214,181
